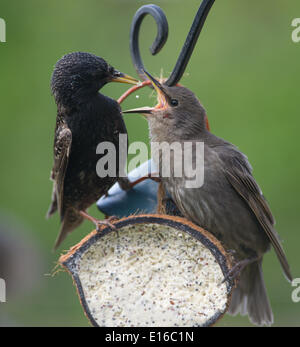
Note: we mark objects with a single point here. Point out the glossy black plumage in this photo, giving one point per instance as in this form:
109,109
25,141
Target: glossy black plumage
84,119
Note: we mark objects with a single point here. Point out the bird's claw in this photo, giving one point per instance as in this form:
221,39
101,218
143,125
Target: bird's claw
112,218
124,183
236,270
101,224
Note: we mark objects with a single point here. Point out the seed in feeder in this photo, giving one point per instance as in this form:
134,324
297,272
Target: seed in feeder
145,283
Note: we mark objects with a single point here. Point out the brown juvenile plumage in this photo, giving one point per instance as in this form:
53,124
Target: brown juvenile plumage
229,204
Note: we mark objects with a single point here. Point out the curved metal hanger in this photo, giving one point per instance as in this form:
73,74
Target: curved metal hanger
161,38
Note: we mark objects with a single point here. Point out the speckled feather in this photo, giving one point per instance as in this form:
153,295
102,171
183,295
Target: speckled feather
84,119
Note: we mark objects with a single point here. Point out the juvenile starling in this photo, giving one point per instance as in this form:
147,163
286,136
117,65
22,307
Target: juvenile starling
84,119
229,204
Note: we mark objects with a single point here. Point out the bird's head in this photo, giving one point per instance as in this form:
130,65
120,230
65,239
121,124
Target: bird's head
177,115
80,74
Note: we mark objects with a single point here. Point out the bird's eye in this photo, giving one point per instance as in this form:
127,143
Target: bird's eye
114,72
174,102
111,71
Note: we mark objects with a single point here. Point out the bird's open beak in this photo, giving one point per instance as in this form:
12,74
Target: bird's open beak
144,110
122,78
163,98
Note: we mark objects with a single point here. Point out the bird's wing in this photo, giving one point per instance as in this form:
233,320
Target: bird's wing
62,147
238,173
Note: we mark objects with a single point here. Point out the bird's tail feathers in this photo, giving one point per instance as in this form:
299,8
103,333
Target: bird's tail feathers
52,209
250,296
67,226
53,206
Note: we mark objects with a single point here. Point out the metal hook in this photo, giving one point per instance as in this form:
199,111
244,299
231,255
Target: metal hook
162,35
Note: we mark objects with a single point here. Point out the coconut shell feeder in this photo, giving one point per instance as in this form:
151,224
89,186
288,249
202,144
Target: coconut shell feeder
153,270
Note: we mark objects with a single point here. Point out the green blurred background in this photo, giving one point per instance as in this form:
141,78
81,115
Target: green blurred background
245,70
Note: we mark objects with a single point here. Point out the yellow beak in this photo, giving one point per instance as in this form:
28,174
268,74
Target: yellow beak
123,78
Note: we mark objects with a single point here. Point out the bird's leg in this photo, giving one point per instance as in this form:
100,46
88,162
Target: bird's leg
231,251
100,224
161,199
143,178
238,268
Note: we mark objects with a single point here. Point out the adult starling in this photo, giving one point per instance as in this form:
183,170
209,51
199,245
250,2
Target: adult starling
84,119
229,204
